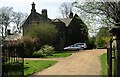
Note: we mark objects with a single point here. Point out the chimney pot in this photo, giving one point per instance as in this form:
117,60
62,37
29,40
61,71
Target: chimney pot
44,13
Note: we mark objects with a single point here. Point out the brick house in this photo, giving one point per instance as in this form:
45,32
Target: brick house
70,30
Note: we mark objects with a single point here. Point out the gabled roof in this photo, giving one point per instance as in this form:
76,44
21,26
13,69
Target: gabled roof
56,20
38,17
67,21
64,20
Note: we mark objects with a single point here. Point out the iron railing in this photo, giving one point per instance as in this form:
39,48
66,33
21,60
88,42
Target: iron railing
12,61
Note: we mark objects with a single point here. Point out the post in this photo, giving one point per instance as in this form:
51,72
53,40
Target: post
116,32
0,57
118,55
109,59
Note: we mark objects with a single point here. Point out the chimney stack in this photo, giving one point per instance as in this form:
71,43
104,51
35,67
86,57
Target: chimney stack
71,15
33,8
44,13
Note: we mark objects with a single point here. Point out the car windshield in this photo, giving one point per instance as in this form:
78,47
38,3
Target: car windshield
76,45
71,45
79,44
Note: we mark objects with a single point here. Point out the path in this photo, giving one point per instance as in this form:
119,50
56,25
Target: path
84,62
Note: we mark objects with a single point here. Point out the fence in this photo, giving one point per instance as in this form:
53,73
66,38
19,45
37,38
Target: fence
12,61
112,59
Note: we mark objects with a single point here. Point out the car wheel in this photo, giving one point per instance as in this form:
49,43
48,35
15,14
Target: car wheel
66,49
82,48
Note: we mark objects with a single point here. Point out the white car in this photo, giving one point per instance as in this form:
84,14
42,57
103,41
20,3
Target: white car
83,45
72,47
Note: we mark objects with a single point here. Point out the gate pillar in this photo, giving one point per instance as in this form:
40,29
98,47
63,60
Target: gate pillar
115,31
0,57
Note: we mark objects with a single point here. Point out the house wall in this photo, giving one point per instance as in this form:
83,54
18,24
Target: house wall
76,32
34,18
61,39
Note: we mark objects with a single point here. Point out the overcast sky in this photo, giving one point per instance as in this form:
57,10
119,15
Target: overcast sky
24,6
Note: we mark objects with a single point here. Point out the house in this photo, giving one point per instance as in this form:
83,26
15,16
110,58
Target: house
76,31
70,30
12,36
35,18
73,31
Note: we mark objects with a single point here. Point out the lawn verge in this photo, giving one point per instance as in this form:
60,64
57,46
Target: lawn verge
103,59
33,66
59,55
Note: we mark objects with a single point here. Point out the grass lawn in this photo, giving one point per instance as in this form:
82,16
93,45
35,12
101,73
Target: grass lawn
32,66
103,58
59,55
104,64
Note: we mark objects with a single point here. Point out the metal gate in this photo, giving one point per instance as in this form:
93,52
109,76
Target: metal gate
112,59
12,61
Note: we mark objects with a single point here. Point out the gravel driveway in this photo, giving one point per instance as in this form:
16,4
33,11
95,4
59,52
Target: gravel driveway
84,62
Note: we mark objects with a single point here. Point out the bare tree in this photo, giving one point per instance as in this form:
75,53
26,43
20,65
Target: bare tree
6,17
102,13
65,9
19,19
109,9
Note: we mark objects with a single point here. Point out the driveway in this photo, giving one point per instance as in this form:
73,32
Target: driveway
84,62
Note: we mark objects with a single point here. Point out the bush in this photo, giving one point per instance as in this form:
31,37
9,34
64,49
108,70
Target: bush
38,54
26,46
103,36
46,33
91,43
48,50
13,45
45,50
29,46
